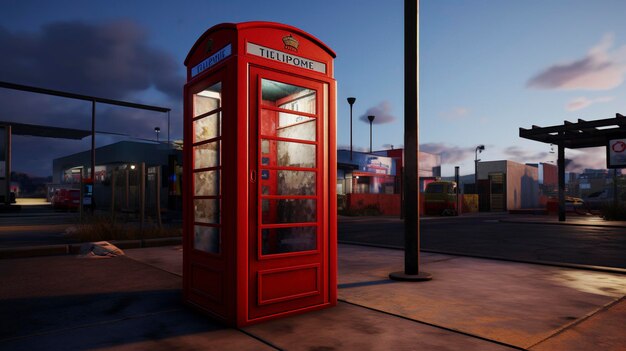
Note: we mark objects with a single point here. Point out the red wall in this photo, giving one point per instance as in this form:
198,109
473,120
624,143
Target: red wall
388,204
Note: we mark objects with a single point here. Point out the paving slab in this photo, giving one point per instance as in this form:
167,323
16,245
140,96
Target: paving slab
167,258
605,331
348,327
68,303
514,303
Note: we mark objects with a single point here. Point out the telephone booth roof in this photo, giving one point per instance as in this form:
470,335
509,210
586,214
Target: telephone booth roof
254,31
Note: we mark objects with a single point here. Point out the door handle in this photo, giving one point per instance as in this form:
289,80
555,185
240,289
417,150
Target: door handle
253,176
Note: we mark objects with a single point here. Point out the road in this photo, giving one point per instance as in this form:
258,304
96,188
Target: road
488,235
483,235
35,225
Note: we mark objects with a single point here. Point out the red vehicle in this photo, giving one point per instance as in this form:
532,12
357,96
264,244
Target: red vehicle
66,199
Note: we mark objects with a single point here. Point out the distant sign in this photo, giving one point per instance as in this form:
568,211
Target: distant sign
616,153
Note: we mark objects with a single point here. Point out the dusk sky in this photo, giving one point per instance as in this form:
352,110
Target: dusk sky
487,67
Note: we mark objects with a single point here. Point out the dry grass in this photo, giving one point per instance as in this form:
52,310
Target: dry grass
102,228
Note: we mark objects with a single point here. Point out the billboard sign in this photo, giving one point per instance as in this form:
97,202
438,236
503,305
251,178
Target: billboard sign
616,153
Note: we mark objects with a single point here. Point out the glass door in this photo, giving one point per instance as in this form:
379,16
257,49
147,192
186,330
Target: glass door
288,241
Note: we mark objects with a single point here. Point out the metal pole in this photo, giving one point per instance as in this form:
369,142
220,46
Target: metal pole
158,195
615,202
351,101
561,171
476,172
127,188
371,119
411,123
142,194
80,206
456,179
113,175
7,166
93,154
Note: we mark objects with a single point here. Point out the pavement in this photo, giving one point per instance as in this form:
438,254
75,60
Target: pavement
133,302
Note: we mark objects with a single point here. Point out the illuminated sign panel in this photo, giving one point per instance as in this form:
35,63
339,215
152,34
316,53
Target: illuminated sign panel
212,60
279,56
616,153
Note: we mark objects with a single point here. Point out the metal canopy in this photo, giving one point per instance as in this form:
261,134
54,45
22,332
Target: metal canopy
50,132
575,136
46,131
581,134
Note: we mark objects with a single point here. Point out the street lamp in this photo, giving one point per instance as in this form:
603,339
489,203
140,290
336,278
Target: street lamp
157,130
351,101
371,119
479,149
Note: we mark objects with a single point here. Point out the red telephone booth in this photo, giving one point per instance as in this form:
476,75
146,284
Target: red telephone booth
260,237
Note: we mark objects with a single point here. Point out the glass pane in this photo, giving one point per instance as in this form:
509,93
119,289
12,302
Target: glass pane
206,239
207,100
206,155
206,210
288,211
283,240
295,154
288,154
287,96
208,127
303,131
287,125
289,183
207,183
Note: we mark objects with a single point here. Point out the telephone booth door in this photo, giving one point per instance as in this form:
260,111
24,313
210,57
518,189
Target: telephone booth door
288,243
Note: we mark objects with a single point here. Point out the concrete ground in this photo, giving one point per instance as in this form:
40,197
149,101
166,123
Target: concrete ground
133,303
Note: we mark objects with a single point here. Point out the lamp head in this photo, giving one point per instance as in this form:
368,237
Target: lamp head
371,118
351,100
480,148
157,129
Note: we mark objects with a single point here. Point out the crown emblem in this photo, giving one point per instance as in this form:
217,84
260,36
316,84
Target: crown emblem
290,43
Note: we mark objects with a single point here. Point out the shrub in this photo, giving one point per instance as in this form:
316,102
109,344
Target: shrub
614,212
102,228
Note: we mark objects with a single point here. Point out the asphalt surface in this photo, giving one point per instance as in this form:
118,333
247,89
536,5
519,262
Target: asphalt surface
498,236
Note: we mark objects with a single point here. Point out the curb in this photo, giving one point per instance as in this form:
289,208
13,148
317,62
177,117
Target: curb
603,269
563,223
74,249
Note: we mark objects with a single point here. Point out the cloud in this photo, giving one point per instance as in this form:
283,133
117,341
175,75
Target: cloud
382,113
579,160
600,69
582,102
392,146
455,114
112,60
354,147
450,154
517,154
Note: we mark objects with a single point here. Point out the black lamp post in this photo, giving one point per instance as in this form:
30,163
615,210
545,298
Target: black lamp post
351,101
157,130
371,119
479,149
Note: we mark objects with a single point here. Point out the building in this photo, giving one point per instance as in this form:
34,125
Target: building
380,172
125,158
507,185
365,173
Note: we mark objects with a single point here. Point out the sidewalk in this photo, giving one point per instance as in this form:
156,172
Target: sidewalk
133,303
